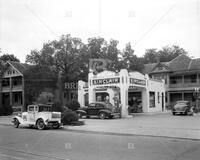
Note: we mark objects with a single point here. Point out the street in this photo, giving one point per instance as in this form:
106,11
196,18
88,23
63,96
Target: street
31,144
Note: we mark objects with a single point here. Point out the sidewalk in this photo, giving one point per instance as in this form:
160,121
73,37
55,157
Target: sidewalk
163,125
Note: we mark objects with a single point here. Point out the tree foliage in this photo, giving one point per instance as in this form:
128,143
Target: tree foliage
165,54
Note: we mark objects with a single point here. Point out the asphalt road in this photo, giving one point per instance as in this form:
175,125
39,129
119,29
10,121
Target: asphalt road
32,144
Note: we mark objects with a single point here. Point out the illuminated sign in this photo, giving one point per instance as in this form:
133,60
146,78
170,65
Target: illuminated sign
106,81
137,81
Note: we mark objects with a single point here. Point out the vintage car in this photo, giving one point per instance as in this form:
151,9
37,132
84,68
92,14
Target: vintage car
39,115
182,107
101,109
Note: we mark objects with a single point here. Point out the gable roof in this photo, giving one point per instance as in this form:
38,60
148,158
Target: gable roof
21,67
180,63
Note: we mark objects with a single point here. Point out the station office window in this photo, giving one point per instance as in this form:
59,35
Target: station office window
151,99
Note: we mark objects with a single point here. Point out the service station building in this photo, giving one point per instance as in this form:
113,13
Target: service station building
133,91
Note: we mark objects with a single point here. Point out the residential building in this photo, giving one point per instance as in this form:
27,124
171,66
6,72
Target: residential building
12,87
181,75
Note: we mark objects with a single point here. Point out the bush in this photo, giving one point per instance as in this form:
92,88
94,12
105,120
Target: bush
69,116
6,110
73,105
2,111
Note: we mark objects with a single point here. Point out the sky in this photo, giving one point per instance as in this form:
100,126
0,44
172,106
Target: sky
26,25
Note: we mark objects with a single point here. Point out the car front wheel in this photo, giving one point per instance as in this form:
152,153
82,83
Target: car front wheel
102,115
40,124
79,115
16,123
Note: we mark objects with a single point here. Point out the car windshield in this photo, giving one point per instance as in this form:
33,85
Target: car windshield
43,108
181,103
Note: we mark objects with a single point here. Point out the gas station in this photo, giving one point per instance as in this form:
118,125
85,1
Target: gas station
133,91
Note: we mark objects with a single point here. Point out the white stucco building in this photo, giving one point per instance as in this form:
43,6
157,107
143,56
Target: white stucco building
128,87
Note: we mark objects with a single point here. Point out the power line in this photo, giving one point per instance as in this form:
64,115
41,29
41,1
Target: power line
156,23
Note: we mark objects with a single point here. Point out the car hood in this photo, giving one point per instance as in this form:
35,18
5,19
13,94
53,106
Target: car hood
180,106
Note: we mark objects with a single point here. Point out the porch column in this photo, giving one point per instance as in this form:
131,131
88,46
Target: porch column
0,92
23,95
182,95
11,91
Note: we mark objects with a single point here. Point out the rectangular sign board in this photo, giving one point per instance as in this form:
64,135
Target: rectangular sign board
106,81
138,81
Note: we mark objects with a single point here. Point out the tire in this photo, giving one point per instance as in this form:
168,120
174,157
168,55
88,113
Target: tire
40,124
16,123
87,116
79,115
111,117
173,113
56,125
102,115
186,112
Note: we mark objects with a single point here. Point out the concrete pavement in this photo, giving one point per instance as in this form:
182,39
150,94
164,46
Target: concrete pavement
162,125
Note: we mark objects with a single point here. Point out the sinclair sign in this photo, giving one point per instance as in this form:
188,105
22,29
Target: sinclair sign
137,81
106,81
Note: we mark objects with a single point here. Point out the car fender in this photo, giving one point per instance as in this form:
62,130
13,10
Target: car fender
104,111
81,111
21,121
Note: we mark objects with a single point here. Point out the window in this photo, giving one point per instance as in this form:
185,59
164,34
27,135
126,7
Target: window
31,108
151,99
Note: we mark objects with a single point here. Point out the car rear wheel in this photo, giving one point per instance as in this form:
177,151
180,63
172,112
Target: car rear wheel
173,113
102,115
40,124
16,123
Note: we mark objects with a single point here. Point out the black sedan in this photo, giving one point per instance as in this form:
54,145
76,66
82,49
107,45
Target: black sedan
182,107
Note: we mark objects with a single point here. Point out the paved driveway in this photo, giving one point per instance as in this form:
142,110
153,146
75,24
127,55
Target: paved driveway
165,125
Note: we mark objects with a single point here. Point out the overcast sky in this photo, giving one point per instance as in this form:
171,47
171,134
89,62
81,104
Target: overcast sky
26,24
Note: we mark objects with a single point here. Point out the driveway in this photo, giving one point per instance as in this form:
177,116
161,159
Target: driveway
165,125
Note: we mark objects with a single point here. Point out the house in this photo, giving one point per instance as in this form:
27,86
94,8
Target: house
12,87
181,75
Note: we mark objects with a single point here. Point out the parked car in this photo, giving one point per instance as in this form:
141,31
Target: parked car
182,107
39,115
101,109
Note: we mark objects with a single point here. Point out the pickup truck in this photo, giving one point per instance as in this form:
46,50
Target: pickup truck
39,115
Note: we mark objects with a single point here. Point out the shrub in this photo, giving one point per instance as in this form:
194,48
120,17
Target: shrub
69,116
73,105
6,110
2,111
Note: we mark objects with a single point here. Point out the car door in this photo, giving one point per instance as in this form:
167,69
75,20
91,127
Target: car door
99,107
31,114
91,109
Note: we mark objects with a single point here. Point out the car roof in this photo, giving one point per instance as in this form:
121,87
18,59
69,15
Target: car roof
182,101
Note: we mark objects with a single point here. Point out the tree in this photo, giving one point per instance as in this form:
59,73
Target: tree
130,60
150,55
168,53
8,57
38,79
165,54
